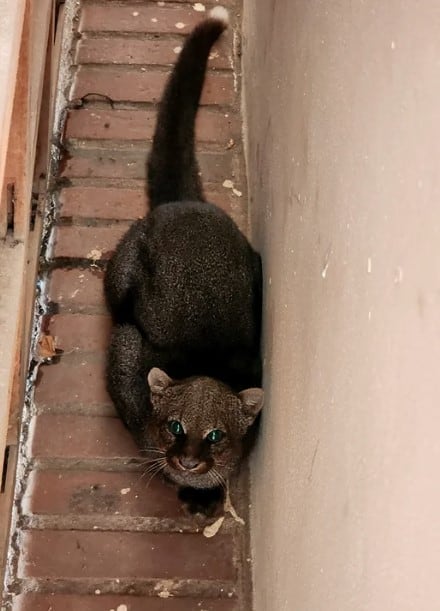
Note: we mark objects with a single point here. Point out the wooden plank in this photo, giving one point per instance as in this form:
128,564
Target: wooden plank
19,299
12,262
19,261
6,498
17,163
11,25
42,26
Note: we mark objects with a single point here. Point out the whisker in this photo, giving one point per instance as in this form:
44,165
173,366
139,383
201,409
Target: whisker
214,477
154,464
152,449
148,461
151,466
220,478
160,468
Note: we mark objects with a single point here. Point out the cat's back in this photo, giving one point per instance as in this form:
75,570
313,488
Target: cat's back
188,233
199,270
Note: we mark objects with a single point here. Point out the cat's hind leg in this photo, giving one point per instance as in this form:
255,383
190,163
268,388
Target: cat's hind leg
120,277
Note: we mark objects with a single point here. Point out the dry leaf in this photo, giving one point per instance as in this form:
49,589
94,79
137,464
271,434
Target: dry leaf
212,529
47,347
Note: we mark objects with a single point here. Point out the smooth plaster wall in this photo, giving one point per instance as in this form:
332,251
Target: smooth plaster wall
342,105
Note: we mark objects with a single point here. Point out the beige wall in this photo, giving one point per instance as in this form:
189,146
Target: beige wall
343,118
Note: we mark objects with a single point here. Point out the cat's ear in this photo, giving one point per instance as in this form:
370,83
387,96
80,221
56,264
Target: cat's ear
158,380
252,400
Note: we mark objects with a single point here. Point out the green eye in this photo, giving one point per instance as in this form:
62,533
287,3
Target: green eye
175,428
215,436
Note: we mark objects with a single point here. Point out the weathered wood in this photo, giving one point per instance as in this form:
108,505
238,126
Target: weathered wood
27,41
11,26
6,498
37,133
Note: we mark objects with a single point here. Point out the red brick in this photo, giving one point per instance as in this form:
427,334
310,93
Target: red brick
102,203
105,124
110,555
136,85
130,204
76,288
129,17
80,332
131,164
88,492
126,204
65,383
77,241
101,163
76,602
74,436
155,51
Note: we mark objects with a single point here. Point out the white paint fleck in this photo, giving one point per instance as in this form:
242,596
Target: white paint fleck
398,275
180,25
177,50
135,13
164,594
237,192
228,184
154,20
393,45
199,7
94,254
122,608
369,315
125,490
97,592
326,260
369,265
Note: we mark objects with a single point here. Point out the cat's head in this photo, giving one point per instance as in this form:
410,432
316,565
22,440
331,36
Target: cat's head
197,427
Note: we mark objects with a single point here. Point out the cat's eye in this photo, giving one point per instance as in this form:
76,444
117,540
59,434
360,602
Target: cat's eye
175,427
215,436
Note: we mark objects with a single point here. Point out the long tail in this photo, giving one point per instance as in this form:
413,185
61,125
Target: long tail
173,171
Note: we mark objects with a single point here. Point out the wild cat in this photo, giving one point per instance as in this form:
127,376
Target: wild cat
184,287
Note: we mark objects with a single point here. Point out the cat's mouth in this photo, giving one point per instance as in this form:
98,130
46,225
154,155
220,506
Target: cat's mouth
184,464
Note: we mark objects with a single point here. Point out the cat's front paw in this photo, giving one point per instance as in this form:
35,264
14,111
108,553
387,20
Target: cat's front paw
207,502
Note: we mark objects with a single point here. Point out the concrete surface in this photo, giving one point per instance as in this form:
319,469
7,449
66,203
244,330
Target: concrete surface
343,116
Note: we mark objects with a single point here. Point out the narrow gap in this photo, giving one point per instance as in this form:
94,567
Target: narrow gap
5,470
10,203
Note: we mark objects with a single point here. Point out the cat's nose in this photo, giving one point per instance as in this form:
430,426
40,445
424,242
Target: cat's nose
189,463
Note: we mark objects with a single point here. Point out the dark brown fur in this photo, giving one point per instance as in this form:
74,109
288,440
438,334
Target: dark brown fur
184,289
